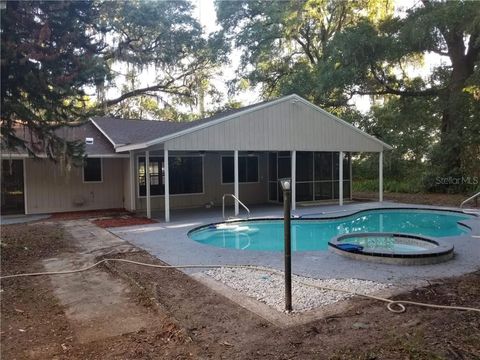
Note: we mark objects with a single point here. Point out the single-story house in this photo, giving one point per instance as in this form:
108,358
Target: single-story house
145,165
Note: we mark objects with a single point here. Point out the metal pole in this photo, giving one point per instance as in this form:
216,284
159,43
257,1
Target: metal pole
288,250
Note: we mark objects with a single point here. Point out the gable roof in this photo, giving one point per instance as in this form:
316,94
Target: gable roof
165,131
121,132
100,147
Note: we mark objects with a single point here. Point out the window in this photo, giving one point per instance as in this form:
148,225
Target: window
186,175
156,187
247,169
92,170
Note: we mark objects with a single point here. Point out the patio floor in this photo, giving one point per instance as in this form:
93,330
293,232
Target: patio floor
169,242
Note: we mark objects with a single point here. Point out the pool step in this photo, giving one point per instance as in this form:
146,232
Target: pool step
472,211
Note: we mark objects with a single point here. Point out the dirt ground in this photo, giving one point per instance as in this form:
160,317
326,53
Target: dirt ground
190,321
453,200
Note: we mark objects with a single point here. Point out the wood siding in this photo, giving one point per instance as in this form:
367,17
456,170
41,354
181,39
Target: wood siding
285,126
49,189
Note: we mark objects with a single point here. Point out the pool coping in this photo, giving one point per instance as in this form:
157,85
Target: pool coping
351,213
301,218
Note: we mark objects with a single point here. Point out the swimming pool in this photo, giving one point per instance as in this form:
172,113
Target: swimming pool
314,234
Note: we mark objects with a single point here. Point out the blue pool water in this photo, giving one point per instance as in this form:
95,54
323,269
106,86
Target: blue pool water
308,235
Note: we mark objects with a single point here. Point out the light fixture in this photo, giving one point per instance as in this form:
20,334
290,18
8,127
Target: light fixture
285,183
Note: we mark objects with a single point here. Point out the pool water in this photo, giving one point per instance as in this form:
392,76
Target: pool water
313,235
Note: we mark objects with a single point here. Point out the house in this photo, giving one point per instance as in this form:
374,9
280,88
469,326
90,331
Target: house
143,165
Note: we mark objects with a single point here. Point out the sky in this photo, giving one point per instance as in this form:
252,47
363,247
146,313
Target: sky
205,13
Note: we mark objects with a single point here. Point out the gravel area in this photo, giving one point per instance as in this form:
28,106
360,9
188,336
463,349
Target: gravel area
268,288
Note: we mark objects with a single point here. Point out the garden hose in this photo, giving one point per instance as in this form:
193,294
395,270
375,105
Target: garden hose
395,306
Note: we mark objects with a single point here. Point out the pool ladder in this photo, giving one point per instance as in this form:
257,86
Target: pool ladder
473,197
235,198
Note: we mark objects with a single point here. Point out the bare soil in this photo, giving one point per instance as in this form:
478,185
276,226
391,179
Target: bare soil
125,220
190,321
453,200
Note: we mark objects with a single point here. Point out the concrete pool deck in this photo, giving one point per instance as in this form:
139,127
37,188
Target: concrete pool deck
170,243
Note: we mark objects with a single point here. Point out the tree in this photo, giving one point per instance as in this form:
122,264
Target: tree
370,60
48,57
53,52
284,43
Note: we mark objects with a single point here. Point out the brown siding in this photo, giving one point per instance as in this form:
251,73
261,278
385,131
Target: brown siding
49,189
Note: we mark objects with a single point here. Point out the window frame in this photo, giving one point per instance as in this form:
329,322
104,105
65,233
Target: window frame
101,172
239,182
137,167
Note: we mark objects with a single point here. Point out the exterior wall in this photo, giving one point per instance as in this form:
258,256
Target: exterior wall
284,126
49,189
213,189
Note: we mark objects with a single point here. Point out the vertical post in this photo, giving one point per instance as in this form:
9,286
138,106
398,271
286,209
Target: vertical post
351,175
167,185
340,178
147,183
288,249
380,177
235,190
132,182
294,179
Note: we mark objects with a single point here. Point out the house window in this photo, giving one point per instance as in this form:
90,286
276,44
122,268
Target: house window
156,185
186,175
92,170
247,169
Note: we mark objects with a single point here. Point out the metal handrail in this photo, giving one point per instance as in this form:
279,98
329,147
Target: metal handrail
469,199
233,196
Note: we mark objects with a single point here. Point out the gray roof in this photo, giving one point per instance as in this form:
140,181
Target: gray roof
123,131
100,146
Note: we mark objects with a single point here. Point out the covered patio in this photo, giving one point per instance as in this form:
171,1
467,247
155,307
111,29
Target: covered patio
244,153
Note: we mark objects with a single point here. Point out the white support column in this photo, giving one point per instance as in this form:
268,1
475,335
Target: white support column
340,178
235,186
147,183
132,182
167,185
351,176
294,179
380,177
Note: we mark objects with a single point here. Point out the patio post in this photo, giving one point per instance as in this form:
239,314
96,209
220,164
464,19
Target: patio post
235,186
167,185
147,183
294,179
132,181
380,176
340,178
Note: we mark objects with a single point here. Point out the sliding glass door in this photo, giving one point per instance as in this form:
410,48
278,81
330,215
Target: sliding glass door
316,175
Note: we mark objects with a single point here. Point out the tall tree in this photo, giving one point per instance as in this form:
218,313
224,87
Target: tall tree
367,59
53,52
284,43
48,55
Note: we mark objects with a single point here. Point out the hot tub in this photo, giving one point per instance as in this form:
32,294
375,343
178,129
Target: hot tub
392,248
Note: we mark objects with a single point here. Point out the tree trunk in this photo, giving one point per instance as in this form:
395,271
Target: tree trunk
455,100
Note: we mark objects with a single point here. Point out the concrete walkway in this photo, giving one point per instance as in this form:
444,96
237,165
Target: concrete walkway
94,300
169,242
20,219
